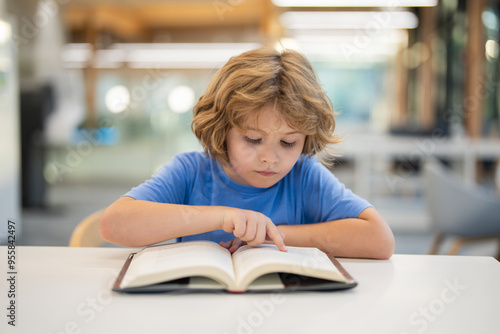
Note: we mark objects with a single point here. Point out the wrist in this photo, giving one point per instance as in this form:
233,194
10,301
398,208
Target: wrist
218,216
296,235
283,229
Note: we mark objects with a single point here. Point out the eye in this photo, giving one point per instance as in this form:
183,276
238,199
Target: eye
252,140
287,144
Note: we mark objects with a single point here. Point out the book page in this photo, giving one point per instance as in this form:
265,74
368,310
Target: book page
252,262
270,281
168,262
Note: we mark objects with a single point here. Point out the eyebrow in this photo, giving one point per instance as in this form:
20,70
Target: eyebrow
263,132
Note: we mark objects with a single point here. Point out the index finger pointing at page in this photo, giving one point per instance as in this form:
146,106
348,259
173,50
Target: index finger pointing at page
276,237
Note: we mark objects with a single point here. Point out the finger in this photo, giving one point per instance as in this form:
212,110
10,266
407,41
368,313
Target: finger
239,229
225,244
250,231
260,236
270,241
237,243
276,237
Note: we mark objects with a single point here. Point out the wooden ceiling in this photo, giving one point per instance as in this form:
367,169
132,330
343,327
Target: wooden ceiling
142,21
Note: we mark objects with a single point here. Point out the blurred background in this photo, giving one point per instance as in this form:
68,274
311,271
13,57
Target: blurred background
96,95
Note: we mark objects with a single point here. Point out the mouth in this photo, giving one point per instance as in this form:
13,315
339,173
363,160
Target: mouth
266,173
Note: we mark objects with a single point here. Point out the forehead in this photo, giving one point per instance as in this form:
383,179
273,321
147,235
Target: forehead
267,120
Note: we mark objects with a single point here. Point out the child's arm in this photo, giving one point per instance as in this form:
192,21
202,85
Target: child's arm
367,236
136,223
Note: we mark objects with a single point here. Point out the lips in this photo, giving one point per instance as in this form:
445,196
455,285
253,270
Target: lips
267,173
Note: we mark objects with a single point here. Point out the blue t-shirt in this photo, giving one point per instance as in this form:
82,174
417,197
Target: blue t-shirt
308,194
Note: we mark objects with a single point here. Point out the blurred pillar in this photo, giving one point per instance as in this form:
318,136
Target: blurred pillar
24,12
90,72
474,69
426,72
10,208
400,117
270,27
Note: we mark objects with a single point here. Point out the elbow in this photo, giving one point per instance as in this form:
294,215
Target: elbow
385,246
382,242
113,227
386,251
106,228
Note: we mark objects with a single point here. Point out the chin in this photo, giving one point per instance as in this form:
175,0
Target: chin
263,184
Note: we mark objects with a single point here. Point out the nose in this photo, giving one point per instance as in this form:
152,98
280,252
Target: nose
269,155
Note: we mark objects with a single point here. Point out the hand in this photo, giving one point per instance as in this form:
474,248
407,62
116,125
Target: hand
251,227
233,245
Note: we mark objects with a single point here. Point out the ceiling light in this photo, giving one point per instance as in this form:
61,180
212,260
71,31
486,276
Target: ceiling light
349,20
158,55
182,55
348,36
109,58
355,3
76,52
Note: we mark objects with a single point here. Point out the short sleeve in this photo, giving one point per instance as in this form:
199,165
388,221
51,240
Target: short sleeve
170,184
326,197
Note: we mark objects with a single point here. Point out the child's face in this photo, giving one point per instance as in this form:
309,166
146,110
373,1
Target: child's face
265,153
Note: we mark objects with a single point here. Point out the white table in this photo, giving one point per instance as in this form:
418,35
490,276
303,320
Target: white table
67,290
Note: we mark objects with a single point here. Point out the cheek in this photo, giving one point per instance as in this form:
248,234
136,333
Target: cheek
294,154
292,157
240,154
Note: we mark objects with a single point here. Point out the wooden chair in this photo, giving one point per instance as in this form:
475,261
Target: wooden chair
459,210
86,233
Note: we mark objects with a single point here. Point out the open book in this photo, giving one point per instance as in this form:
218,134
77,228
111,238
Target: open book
205,265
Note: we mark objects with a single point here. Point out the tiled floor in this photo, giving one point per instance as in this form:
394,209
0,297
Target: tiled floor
68,204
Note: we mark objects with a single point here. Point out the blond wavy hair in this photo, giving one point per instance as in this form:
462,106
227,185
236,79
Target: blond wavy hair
248,82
